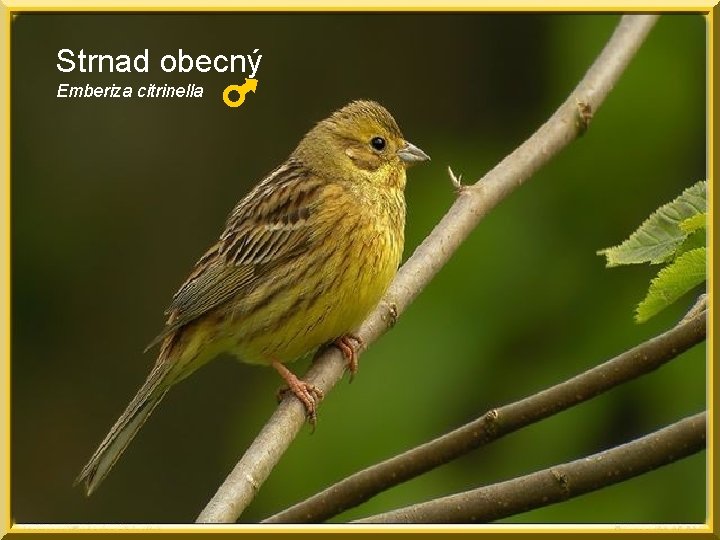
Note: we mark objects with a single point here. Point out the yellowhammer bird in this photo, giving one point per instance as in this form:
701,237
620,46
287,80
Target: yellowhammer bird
303,259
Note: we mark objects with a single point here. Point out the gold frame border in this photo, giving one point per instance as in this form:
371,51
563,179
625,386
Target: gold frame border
9,9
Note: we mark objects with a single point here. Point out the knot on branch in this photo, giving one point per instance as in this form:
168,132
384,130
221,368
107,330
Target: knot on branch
252,482
391,315
490,421
562,480
584,113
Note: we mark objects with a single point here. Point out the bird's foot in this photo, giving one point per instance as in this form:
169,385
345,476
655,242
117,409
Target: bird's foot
350,345
308,394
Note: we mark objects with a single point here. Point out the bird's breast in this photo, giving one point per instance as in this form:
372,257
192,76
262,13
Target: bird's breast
354,254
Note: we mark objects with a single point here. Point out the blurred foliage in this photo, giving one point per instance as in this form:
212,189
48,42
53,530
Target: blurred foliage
113,200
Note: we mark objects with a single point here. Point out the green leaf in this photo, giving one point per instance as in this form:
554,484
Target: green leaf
694,227
656,240
682,275
694,240
694,223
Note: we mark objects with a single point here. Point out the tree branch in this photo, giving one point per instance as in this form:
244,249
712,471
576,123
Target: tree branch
497,423
558,483
473,203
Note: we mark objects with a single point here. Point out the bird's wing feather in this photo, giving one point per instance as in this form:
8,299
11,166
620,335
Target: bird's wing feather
270,226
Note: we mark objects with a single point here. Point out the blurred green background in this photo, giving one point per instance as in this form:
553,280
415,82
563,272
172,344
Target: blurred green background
113,201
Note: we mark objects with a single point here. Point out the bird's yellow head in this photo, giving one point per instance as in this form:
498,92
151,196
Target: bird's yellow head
361,140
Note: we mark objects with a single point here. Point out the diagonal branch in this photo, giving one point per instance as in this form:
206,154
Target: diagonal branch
560,482
473,203
497,423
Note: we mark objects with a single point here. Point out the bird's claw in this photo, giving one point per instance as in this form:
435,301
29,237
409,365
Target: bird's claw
349,346
308,394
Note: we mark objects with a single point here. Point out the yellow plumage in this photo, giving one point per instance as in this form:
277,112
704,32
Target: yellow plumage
303,259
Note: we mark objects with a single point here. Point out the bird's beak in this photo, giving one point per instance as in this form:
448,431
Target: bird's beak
410,153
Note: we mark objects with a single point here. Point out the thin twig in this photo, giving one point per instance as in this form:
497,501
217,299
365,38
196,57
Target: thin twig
456,181
558,483
476,201
496,423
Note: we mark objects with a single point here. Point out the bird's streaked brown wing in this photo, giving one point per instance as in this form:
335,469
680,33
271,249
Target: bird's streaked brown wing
268,227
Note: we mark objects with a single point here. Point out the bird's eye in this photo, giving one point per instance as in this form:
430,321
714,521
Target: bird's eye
378,143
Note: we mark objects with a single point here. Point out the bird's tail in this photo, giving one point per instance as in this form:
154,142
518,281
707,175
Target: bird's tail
115,442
